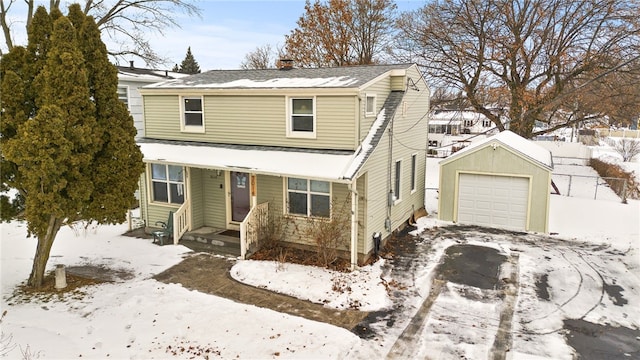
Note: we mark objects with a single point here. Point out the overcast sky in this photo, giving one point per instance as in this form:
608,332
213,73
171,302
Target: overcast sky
225,33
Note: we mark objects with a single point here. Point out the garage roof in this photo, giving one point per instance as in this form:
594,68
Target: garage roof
513,141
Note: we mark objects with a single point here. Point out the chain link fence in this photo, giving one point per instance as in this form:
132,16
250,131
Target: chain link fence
593,187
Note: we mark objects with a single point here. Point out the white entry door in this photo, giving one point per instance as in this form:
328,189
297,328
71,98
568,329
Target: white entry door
493,201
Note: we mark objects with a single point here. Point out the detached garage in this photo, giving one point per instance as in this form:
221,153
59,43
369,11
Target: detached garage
503,182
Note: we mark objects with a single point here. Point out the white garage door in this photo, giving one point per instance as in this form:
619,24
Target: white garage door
493,201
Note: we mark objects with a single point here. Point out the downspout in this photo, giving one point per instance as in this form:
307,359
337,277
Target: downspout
387,222
354,223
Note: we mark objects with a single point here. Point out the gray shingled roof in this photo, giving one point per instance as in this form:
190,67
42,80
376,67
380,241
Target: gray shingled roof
337,77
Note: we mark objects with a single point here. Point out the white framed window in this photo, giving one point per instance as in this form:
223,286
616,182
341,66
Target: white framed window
301,119
192,113
414,169
123,94
468,123
486,123
307,197
397,182
167,184
370,105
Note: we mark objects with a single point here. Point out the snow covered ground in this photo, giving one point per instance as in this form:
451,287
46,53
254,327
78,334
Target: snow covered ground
597,244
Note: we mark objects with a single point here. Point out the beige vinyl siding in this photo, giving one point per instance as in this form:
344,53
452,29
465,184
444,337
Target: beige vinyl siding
196,196
377,172
410,134
142,183
245,120
399,82
161,116
214,196
270,190
361,187
254,120
381,90
159,213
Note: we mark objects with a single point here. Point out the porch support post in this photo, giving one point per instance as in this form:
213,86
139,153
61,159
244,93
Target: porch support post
354,223
253,183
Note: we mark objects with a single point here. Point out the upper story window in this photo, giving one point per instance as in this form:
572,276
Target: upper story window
308,197
302,114
167,184
370,105
192,114
123,94
468,123
486,123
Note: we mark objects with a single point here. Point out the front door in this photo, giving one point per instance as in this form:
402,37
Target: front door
240,196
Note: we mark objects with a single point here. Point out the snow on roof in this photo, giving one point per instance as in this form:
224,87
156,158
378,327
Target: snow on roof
147,75
515,142
342,81
336,77
260,160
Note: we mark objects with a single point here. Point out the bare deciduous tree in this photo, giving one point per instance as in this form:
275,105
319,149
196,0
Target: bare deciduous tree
627,148
123,21
341,32
527,56
263,57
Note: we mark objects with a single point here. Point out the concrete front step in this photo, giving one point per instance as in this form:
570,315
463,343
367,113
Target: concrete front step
218,244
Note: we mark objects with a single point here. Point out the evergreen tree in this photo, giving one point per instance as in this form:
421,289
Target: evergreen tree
175,68
189,65
76,158
14,112
118,153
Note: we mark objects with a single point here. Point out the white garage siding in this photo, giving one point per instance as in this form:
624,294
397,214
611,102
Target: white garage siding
493,201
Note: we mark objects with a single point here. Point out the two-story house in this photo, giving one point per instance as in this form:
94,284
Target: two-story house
222,145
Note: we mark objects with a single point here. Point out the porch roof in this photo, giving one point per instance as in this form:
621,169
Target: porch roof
333,165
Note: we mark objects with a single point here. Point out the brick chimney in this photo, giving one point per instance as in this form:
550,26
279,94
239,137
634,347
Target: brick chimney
131,64
286,64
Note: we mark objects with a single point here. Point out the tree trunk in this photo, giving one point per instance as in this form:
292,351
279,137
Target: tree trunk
42,252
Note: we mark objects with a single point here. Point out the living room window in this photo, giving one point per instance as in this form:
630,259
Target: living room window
167,184
370,105
302,122
308,197
192,114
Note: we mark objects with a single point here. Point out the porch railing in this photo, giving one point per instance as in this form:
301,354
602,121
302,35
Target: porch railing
252,229
180,222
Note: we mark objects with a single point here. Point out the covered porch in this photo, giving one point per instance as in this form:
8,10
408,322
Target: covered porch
227,206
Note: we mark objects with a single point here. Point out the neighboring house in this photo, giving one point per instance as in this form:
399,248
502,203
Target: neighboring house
451,130
503,181
225,145
130,79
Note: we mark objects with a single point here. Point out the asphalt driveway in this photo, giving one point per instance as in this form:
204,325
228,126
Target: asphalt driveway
500,295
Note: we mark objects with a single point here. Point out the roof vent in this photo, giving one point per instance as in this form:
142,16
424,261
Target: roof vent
285,64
